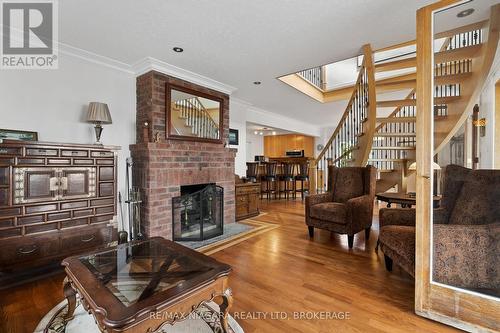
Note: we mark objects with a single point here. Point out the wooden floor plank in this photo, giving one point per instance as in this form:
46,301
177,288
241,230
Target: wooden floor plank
281,271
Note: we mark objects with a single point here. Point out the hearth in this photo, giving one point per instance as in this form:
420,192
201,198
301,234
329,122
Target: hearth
198,214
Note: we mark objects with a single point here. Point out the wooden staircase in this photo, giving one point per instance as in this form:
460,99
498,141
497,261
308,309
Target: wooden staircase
461,68
350,143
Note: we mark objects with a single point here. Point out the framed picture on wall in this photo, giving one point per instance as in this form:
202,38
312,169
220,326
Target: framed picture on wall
233,137
7,134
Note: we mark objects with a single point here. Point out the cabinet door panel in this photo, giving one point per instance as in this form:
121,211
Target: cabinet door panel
253,203
34,185
78,183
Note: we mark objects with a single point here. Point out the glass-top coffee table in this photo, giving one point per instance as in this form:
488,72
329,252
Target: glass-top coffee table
143,286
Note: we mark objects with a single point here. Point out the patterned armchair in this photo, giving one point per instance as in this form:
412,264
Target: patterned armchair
347,207
466,229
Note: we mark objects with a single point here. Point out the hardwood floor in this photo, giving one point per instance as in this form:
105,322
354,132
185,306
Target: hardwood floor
282,273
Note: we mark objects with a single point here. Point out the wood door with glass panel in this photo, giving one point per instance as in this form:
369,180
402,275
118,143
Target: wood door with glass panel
457,245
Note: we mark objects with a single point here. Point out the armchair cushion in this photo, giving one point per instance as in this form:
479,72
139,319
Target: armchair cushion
477,203
348,183
329,211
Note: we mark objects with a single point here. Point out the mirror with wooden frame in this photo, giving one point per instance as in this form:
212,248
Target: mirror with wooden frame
193,115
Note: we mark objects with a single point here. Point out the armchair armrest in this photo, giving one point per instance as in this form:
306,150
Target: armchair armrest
397,216
360,212
467,255
315,199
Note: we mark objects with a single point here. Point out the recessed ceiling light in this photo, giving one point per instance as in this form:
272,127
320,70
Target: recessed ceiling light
256,132
261,133
465,12
178,49
257,83
274,132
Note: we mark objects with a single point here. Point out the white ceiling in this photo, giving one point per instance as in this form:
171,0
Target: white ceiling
266,130
238,42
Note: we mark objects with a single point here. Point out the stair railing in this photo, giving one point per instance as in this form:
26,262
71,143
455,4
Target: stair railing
350,143
315,76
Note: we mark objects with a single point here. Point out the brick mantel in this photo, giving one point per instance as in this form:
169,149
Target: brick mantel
161,168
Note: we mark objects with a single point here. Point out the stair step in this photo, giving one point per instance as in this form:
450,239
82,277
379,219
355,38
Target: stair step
396,85
397,120
457,54
451,78
385,170
393,84
439,57
382,135
386,160
413,102
406,119
394,148
359,135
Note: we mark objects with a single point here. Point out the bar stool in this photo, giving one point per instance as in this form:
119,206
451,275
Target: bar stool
287,177
252,172
302,176
269,178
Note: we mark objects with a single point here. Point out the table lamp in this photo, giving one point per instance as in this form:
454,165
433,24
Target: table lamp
98,114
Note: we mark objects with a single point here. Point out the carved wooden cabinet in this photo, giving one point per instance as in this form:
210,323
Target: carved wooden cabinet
247,200
56,200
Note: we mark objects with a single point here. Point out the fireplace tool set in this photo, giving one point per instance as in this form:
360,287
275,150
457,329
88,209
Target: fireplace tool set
134,205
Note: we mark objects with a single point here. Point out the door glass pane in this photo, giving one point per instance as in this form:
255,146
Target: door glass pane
466,169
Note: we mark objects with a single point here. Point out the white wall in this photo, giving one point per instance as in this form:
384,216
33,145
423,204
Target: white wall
250,145
52,103
237,120
255,146
487,110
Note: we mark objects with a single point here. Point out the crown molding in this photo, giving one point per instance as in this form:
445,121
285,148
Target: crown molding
148,64
241,102
145,65
94,58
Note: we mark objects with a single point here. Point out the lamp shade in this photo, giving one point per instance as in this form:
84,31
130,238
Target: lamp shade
98,113
413,166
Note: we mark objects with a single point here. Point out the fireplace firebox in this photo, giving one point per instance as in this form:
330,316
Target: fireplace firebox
198,214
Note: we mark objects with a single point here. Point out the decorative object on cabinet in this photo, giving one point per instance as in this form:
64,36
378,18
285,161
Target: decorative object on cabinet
98,114
157,138
247,199
145,132
7,134
234,137
56,200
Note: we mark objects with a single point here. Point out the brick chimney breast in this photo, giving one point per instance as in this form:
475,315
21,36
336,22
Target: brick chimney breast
161,168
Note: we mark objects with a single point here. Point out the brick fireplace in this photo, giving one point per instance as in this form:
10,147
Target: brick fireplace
161,168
